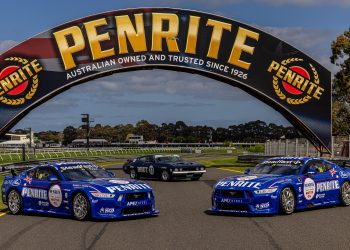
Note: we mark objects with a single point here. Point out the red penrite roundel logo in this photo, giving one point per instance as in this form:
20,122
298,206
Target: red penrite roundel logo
19,80
294,81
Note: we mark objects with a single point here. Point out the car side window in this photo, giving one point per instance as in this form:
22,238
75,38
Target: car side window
142,159
44,173
149,159
327,166
317,166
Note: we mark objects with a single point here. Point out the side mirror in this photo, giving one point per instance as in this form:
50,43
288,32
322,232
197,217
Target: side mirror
247,171
311,172
52,178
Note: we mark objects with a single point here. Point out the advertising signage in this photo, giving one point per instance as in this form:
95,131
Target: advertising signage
146,38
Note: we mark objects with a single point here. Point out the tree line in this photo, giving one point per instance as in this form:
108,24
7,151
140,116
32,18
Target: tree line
254,131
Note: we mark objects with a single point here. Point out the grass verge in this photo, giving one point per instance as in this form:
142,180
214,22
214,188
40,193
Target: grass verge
225,162
2,205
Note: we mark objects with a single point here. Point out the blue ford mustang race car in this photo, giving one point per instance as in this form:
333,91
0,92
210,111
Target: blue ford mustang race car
282,185
80,189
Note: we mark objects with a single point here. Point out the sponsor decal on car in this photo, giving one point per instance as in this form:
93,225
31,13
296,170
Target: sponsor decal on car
16,182
237,183
309,189
127,187
142,169
106,210
320,196
228,200
343,174
327,186
35,193
43,203
263,205
55,195
151,170
136,203
90,167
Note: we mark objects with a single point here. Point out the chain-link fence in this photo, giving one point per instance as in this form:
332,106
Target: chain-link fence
302,147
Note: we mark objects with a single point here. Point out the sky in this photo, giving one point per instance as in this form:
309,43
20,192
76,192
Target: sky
166,96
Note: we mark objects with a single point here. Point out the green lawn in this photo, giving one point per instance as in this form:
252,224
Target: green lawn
2,206
225,162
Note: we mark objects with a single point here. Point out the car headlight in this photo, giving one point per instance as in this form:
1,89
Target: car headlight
266,191
197,168
102,195
202,168
176,169
180,169
149,195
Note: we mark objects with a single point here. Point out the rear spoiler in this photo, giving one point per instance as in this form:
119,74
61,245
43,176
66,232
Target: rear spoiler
13,170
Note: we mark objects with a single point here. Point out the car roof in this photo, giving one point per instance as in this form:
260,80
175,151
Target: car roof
58,165
294,158
158,155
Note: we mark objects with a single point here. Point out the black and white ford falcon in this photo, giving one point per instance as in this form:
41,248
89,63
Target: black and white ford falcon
163,167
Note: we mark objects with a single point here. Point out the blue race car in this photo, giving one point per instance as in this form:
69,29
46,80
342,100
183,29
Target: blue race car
283,185
81,189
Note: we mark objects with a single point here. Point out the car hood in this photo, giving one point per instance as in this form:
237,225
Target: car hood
252,182
116,185
183,164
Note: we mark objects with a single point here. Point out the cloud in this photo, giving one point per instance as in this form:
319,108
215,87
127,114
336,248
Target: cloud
314,42
6,44
161,82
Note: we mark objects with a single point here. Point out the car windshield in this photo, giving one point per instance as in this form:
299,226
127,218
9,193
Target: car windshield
83,172
172,158
283,167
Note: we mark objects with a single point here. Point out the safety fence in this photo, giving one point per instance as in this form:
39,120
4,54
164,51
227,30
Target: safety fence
302,147
11,155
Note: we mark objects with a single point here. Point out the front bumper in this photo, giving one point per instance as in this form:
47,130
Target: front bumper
123,208
194,172
245,203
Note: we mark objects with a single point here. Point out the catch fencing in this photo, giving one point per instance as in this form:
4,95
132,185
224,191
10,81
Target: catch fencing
302,147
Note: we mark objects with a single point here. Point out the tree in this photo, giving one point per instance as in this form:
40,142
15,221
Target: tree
69,134
341,84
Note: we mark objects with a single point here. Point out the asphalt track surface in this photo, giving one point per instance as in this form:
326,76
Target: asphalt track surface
182,224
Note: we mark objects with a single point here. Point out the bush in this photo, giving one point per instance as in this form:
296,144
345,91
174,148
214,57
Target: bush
260,148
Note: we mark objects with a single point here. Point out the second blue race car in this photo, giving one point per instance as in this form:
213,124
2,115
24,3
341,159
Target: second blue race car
81,189
283,185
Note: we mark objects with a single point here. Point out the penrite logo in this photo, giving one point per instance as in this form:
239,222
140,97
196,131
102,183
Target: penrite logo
293,82
19,81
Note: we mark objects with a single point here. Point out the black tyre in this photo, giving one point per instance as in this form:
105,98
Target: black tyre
287,201
81,207
133,174
345,194
15,202
165,176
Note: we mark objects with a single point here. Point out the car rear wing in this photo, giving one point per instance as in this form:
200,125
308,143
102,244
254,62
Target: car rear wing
14,170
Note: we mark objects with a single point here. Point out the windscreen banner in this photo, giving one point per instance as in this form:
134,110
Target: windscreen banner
146,38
